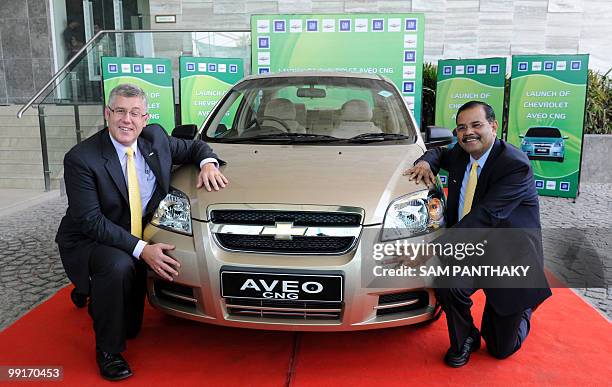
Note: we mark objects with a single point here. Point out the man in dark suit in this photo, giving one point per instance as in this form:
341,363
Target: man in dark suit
114,182
490,186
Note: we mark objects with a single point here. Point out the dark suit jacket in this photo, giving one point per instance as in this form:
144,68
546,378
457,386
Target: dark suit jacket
505,198
98,208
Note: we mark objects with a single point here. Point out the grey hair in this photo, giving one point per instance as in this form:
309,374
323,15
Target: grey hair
127,90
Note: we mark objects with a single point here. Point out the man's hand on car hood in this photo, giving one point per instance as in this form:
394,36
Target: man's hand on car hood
211,178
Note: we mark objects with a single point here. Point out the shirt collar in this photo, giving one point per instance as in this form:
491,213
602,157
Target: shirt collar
483,159
121,149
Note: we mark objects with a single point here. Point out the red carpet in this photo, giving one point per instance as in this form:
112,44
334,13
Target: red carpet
570,344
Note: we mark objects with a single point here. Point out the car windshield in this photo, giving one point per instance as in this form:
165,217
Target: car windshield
312,109
543,132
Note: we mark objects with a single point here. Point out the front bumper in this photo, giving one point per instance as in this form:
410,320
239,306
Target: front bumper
544,152
195,293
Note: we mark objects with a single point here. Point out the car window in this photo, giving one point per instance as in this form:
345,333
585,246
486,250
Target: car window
340,107
543,132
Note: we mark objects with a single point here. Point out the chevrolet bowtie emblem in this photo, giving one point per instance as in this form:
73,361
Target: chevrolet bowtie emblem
283,231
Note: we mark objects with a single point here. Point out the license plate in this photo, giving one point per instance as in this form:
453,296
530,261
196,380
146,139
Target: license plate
541,150
290,287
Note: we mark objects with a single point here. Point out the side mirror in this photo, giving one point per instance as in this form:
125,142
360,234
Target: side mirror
188,131
565,137
436,136
521,136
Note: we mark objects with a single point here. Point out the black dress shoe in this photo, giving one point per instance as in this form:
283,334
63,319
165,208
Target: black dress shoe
112,366
78,299
458,359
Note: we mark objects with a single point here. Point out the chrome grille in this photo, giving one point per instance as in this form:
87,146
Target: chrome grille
298,218
284,309
304,245
277,229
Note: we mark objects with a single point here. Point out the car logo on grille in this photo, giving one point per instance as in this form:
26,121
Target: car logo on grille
284,231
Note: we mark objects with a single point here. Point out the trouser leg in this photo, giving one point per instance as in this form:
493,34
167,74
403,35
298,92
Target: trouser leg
116,291
135,307
457,303
504,335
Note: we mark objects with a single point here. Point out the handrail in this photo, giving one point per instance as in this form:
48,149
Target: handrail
90,43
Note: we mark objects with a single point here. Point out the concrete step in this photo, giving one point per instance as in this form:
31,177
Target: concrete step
20,169
12,110
25,155
28,182
51,131
33,142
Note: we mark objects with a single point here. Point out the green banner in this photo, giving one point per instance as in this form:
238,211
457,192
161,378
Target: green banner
464,80
153,75
203,82
387,44
546,118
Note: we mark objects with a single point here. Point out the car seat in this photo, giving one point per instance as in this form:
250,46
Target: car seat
355,119
282,109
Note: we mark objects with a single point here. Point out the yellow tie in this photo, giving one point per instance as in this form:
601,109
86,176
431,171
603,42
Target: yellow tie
470,189
134,194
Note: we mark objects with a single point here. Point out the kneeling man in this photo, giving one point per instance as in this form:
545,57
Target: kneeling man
490,186
114,182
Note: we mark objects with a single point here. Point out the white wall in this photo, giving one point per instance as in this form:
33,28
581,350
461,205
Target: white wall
454,28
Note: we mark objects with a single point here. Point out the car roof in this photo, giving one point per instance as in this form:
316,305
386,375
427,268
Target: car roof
297,74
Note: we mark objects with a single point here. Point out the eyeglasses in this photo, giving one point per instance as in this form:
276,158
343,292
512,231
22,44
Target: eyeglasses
134,114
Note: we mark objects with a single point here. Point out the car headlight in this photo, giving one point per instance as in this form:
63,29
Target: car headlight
174,213
413,215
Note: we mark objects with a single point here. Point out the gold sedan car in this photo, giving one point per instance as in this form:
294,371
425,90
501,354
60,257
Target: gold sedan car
315,162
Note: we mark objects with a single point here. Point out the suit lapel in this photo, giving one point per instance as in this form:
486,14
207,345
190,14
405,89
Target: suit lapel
455,175
112,164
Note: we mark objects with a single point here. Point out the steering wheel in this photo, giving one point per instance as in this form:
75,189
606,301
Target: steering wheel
275,119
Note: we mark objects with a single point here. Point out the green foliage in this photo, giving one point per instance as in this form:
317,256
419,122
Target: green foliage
430,79
599,104
598,118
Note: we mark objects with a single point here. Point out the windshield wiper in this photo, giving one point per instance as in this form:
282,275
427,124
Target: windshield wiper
371,137
287,137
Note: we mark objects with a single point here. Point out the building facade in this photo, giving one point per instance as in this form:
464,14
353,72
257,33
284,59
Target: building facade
38,36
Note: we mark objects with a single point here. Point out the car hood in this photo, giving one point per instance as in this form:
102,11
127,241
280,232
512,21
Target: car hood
368,177
550,140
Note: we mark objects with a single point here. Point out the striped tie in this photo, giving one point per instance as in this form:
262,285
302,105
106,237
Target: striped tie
134,194
470,189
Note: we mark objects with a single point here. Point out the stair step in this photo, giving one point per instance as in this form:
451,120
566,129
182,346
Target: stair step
29,154
31,142
28,182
